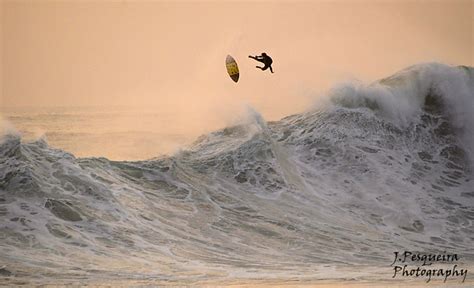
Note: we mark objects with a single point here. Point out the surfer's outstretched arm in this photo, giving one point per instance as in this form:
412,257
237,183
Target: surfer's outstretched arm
256,57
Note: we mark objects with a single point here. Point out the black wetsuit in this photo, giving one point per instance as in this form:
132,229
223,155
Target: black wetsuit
265,59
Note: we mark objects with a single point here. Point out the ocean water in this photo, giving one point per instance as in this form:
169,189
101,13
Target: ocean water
325,195
130,133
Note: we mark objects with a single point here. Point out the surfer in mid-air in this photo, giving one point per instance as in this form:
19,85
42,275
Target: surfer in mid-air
265,59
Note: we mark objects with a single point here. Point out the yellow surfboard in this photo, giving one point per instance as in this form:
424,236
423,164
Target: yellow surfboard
232,68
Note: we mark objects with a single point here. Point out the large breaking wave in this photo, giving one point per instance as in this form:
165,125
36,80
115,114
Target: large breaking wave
382,168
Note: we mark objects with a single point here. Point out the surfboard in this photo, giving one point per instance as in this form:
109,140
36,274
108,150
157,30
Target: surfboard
232,68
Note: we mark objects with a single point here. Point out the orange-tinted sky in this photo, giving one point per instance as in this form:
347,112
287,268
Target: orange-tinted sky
171,55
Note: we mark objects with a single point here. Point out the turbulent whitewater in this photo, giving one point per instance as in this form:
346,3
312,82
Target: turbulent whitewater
380,168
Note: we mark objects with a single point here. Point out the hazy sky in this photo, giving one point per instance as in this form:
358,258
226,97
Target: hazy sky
171,55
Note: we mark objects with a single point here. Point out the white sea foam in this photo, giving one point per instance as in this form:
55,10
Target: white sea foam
379,171
401,97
